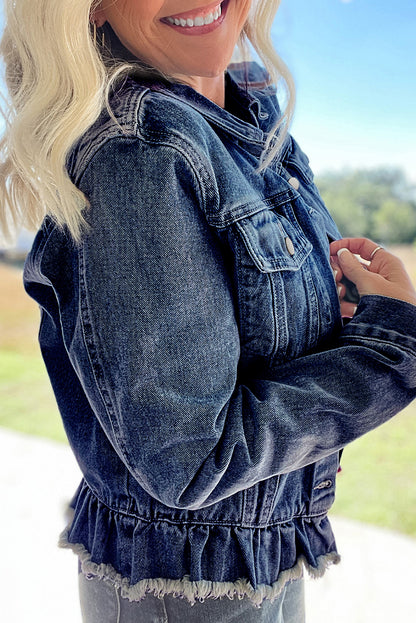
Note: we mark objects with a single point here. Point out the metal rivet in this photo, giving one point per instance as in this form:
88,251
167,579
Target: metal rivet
324,485
289,246
294,182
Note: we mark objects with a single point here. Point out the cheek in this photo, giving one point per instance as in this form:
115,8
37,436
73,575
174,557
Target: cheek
134,25
131,15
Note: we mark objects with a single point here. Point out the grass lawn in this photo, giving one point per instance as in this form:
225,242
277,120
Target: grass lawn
377,484
27,401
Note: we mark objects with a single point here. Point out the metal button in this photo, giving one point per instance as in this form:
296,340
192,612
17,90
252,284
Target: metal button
294,182
289,246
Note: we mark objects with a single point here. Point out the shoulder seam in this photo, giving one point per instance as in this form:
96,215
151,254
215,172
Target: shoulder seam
180,146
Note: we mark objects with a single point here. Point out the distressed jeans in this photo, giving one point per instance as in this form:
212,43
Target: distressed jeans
101,603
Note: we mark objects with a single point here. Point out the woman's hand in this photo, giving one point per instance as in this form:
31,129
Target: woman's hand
376,271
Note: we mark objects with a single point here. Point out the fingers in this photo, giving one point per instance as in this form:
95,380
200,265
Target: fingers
374,257
355,271
348,303
360,246
381,272
348,309
369,279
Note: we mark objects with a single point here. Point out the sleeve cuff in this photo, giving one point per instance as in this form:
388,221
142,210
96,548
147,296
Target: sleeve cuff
384,318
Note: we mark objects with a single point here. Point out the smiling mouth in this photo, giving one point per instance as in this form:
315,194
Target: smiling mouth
199,18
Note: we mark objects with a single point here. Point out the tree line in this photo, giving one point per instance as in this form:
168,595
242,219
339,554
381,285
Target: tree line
376,203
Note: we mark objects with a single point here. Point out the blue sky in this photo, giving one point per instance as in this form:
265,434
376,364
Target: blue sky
354,64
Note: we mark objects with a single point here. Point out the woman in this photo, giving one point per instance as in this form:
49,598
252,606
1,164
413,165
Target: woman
191,324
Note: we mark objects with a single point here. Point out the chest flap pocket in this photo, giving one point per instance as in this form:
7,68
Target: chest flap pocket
274,241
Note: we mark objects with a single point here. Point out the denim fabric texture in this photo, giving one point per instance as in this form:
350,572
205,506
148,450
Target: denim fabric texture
101,603
196,350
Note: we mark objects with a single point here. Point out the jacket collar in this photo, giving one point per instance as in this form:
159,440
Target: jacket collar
248,85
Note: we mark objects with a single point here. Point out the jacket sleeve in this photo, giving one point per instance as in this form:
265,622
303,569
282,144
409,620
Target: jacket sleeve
160,340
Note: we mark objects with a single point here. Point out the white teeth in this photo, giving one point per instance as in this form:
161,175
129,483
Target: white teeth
197,21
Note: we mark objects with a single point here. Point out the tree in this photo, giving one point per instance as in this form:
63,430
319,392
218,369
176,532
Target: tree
395,222
376,203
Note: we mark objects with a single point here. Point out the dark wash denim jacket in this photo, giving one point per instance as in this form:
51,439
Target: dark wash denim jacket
196,350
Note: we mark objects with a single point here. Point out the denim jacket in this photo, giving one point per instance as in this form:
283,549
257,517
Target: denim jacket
196,350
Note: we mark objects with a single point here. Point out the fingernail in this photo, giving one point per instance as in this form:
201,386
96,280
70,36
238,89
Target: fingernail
339,289
335,272
354,310
340,251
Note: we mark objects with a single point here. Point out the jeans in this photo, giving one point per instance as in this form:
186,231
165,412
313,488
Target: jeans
101,603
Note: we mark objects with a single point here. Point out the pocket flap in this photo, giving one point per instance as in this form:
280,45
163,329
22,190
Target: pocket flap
273,242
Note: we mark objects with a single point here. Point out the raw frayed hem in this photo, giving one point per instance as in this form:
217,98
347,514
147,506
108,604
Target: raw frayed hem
195,591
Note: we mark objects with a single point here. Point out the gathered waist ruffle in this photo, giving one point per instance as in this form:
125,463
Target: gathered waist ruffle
192,560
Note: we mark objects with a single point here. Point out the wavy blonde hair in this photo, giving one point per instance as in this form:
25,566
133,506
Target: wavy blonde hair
58,84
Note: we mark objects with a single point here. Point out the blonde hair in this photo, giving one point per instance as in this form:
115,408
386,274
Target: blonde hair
58,84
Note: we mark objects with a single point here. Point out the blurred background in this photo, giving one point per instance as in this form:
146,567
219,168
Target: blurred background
354,63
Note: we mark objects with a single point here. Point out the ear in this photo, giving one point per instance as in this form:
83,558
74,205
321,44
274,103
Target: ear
98,17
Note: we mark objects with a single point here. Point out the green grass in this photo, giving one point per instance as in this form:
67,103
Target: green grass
377,484
27,402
